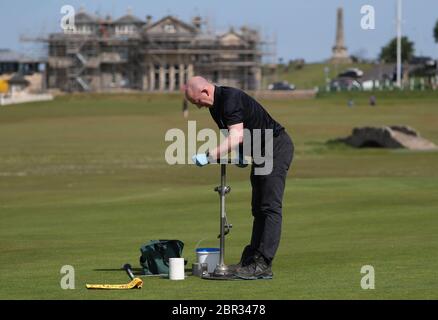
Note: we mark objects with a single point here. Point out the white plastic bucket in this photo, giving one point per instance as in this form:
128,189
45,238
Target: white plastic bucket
209,256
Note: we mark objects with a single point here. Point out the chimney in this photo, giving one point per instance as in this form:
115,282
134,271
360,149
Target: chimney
197,22
148,20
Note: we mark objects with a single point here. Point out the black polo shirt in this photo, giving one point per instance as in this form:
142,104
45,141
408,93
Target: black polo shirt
232,106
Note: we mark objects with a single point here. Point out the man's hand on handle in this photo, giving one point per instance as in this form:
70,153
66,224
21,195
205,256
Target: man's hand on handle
200,159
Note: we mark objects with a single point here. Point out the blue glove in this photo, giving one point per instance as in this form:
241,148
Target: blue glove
200,159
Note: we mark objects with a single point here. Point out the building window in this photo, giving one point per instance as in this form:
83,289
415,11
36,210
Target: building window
125,29
177,82
84,29
124,53
167,81
169,28
157,81
186,73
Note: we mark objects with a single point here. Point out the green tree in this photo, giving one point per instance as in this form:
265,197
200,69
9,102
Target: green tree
435,32
389,52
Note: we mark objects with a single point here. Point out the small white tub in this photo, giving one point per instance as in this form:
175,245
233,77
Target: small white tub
209,256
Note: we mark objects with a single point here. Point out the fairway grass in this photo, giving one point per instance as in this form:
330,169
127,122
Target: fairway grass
83,182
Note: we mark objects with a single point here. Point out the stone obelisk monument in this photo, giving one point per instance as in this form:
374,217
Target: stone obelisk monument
340,53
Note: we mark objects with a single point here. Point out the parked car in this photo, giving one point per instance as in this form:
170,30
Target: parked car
354,73
284,85
425,61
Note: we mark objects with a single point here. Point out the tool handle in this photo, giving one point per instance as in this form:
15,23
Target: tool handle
128,268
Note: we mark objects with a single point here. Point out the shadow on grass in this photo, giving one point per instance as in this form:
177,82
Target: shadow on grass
135,271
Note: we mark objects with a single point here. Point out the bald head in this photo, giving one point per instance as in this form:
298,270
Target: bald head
200,92
197,83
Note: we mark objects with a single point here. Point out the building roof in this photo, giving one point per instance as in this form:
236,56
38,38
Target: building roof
129,19
7,55
84,18
174,20
232,38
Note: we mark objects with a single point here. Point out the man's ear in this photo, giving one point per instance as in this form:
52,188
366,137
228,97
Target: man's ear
205,91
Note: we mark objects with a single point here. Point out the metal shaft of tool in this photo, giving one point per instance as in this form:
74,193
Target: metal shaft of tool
221,268
222,214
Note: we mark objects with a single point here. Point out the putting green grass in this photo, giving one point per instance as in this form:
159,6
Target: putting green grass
83,182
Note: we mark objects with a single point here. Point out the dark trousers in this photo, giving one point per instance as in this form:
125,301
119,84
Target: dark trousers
267,198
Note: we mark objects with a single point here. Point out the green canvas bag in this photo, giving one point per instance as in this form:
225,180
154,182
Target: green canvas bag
155,255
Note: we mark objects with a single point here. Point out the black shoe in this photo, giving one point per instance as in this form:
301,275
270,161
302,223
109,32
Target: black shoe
258,269
246,259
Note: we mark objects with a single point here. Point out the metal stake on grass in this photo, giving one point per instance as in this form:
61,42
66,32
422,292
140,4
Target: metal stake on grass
221,271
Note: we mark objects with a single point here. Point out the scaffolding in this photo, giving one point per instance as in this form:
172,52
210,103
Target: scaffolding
158,56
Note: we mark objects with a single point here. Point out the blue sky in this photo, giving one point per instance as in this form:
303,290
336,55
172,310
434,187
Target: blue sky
304,29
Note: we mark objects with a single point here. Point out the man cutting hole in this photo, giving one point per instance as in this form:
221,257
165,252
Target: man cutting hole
234,110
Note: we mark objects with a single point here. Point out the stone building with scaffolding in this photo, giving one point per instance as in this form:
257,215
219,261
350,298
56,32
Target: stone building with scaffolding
103,54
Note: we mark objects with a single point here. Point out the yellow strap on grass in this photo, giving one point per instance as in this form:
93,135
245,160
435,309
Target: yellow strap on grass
136,283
